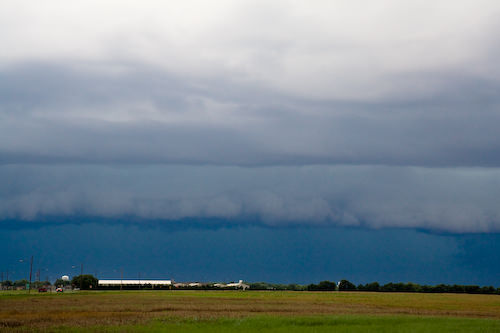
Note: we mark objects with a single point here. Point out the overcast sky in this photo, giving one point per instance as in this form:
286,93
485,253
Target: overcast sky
344,113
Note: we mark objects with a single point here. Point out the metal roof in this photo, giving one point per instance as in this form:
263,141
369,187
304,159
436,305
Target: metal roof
133,282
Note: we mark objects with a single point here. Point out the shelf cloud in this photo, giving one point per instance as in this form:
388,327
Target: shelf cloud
448,200
338,112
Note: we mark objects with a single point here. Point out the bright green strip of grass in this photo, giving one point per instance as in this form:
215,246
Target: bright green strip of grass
308,324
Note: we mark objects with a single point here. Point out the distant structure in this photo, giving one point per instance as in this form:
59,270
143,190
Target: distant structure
65,278
191,285
134,283
163,284
233,285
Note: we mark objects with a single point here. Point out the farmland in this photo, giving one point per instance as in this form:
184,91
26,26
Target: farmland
180,311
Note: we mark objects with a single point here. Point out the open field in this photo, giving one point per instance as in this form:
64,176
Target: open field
249,311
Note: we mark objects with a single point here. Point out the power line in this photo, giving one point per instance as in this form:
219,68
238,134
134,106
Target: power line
31,271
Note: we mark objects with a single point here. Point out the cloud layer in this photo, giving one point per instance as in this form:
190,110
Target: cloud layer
250,84
55,114
460,200
256,95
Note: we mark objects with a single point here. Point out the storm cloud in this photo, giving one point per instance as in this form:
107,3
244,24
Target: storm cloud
54,114
343,113
460,200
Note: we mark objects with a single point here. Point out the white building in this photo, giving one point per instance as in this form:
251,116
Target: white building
133,283
234,285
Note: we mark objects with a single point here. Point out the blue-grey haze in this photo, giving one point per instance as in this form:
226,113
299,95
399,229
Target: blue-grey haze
253,253
298,133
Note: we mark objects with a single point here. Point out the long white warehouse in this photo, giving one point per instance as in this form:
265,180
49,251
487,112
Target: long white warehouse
125,283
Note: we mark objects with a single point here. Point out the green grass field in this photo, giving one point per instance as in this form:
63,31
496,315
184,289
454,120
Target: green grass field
250,311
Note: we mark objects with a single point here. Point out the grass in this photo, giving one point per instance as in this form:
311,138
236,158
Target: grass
225,311
346,323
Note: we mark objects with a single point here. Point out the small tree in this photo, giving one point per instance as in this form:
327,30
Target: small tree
374,286
327,285
345,285
62,283
39,284
85,281
21,283
312,287
7,284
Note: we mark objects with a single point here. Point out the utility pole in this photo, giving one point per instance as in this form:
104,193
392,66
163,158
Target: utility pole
121,281
31,271
81,277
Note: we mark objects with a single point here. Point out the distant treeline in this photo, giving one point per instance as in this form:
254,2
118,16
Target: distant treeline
23,283
85,281
90,282
345,285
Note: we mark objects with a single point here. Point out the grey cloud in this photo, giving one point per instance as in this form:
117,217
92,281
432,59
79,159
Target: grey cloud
250,111
453,200
57,114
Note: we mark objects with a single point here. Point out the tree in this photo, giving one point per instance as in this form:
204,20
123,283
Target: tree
345,285
7,284
21,283
39,284
62,283
327,285
374,286
85,281
296,287
312,287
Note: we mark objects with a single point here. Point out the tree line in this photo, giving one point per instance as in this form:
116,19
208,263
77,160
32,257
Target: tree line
90,282
345,285
23,283
85,281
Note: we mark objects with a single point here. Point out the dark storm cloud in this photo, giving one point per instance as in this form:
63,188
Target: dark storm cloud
250,94
58,114
459,200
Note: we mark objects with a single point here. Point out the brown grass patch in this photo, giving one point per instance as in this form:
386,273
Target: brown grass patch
115,308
